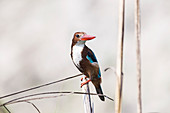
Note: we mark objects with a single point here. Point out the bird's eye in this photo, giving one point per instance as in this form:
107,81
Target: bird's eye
78,36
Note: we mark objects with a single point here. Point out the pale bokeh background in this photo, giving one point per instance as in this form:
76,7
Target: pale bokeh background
35,40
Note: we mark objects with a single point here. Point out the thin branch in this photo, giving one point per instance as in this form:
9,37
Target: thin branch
40,86
34,106
32,99
138,53
119,70
110,68
48,93
6,109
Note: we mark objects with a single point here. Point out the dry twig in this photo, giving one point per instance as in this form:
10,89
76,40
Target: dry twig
62,93
34,106
6,109
40,86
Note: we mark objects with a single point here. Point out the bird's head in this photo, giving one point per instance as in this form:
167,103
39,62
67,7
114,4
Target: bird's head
81,38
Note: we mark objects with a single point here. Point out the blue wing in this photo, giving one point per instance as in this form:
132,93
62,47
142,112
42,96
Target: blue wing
92,58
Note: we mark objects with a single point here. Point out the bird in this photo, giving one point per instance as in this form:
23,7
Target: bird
85,60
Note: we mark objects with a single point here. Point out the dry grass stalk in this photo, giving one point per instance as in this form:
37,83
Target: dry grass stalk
88,105
138,53
55,94
40,86
119,68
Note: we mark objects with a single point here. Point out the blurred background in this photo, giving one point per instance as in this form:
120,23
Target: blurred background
35,40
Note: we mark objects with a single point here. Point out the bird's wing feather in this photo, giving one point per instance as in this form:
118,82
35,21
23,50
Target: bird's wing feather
92,58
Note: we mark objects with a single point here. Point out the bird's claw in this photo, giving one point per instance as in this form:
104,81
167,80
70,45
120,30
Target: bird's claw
82,84
85,78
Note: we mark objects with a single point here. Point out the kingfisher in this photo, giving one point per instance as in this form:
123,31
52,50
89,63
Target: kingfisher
85,60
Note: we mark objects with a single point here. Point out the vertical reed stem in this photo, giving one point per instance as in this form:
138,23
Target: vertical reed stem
119,68
88,105
138,53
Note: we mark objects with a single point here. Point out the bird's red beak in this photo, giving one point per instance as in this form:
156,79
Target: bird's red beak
87,37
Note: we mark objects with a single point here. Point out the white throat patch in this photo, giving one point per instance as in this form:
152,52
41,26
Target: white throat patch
77,50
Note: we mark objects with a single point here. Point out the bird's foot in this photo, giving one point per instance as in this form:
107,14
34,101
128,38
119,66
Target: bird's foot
82,84
85,78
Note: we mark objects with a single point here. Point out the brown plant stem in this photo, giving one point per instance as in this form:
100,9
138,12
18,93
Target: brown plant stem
138,53
119,68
